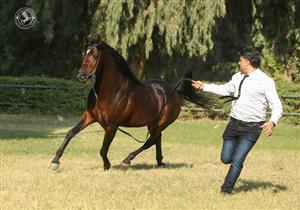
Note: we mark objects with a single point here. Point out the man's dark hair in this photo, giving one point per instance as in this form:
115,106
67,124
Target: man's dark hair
252,55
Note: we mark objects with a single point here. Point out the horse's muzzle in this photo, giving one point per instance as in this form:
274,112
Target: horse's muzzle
82,76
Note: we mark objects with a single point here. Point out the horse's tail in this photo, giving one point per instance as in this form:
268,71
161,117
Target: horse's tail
189,93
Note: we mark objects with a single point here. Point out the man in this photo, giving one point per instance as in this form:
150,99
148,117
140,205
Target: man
253,91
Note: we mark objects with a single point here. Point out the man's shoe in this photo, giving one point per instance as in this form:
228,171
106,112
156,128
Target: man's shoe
225,190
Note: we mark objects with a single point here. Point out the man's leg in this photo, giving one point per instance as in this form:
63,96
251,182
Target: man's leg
246,143
228,149
230,142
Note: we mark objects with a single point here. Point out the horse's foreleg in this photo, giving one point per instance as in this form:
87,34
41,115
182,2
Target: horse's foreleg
110,132
85,121
159,155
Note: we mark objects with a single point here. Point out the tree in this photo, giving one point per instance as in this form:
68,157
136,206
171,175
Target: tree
272,26
53,46
204,35
137,27
276,29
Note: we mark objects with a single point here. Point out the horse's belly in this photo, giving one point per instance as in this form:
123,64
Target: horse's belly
139,119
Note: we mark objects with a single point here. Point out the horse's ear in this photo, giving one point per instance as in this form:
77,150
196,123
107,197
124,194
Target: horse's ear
99,39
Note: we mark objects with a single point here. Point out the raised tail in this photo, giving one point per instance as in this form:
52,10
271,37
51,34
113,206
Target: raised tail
189,93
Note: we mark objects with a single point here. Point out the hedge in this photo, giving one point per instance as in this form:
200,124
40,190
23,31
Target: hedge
57,97
69,97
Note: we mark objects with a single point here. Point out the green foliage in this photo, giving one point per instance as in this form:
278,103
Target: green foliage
52,47
224,70
271,26
271,64
176,26
68,97
203,35
276,29
289,105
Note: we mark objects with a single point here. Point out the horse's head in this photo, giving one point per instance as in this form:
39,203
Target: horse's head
90,60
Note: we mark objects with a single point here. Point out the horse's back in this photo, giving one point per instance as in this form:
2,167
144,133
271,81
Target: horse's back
166,95
168,89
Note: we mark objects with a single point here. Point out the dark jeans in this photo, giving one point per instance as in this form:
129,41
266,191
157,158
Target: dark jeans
238,139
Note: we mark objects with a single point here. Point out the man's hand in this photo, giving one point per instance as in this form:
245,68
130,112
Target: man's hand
198,84
268,128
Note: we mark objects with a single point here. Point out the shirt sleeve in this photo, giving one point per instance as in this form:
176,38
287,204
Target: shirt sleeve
274,102
225,89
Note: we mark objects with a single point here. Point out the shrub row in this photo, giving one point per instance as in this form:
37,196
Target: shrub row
42,95
64,97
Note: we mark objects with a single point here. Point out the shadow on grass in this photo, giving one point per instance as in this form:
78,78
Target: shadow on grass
250,185
141,166
38,134
21,134
145,166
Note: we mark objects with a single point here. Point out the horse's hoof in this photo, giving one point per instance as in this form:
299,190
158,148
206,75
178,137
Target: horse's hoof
124,166
54,166
161,165
106,168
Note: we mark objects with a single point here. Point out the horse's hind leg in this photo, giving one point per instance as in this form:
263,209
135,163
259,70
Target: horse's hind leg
150,141
85,121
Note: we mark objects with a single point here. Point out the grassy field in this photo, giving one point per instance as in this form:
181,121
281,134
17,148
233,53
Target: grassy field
191,180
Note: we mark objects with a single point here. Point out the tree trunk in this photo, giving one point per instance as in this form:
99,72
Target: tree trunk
288,75
290,68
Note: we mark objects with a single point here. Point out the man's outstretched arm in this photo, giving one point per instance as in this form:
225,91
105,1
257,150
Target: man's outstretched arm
225,89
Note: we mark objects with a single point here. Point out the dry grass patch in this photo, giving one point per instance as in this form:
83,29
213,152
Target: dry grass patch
190,181
194,173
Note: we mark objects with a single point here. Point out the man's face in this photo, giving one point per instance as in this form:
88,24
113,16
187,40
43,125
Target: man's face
244,63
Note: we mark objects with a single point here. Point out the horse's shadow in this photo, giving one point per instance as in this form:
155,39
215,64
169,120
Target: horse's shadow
250,185
145,166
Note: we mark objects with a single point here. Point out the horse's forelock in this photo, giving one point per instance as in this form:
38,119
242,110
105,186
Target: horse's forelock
93,43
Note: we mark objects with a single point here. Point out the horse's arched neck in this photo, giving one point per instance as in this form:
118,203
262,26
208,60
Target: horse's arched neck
109,80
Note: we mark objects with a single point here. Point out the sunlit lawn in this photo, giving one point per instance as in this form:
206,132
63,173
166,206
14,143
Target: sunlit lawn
191,180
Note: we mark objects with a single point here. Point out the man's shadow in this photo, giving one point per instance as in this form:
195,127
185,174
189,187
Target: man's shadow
250,185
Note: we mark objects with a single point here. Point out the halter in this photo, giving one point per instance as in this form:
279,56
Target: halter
92,73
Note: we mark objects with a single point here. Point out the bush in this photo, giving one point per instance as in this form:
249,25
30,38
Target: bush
69,97
289,104
49,96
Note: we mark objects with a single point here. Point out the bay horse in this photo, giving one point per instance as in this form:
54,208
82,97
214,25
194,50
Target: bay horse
119,99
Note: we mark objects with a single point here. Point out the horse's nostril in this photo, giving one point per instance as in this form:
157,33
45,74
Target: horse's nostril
81,73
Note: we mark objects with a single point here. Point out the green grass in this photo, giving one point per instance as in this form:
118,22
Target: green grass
191,149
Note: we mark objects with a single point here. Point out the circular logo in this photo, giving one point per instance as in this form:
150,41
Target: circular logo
25,18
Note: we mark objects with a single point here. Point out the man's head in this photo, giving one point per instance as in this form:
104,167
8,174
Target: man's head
249,60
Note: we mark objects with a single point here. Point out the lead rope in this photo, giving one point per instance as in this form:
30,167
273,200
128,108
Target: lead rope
128,134
119,129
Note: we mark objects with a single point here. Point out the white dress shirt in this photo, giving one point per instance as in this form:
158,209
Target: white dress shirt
257,93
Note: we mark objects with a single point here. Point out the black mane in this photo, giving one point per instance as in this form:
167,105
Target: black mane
121,63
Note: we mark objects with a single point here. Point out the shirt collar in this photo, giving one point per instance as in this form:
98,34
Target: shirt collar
254,73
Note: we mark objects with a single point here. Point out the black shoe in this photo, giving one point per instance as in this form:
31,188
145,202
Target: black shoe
225,190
